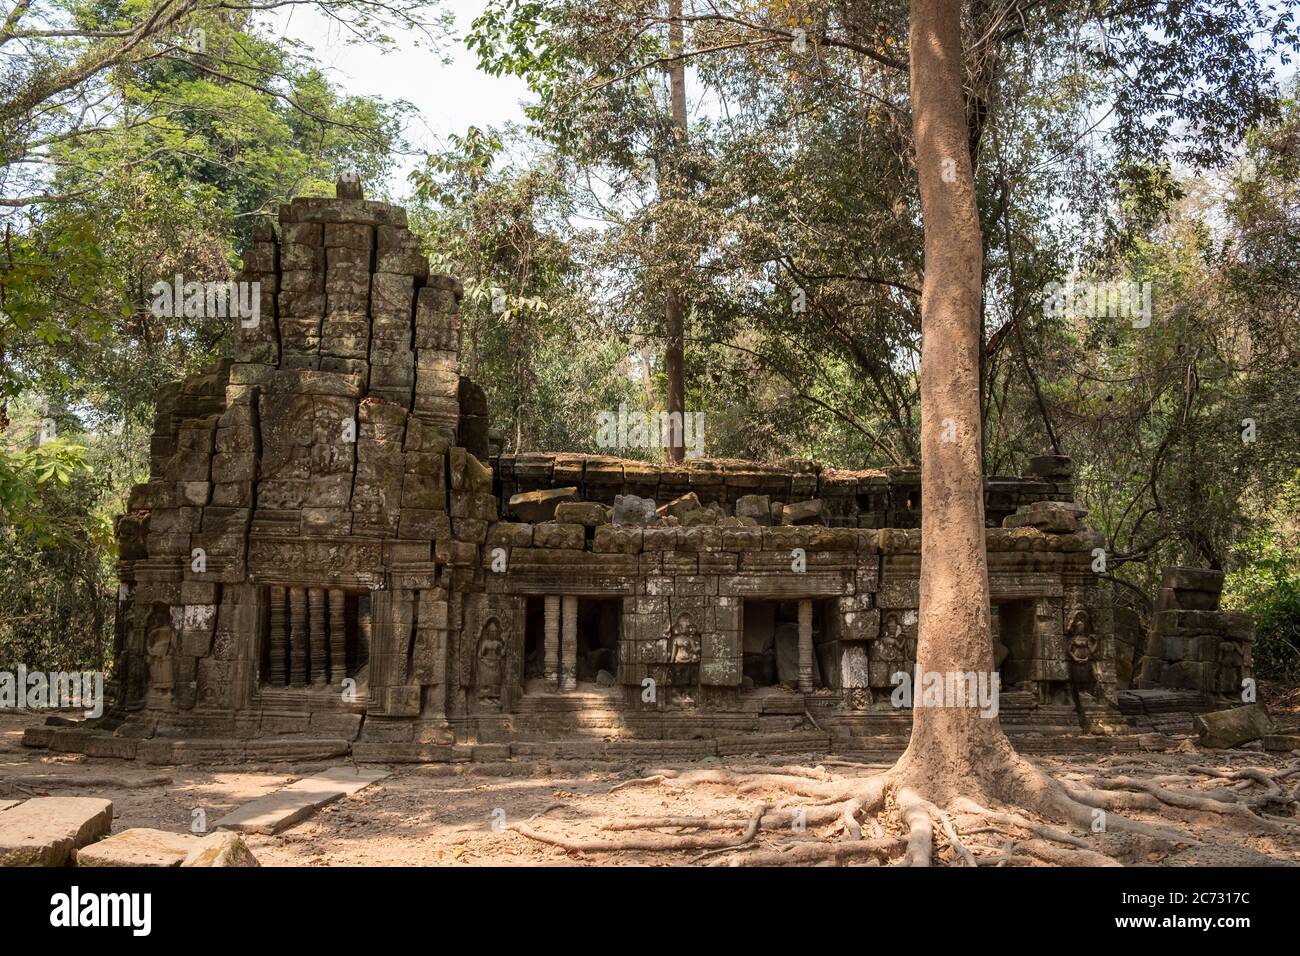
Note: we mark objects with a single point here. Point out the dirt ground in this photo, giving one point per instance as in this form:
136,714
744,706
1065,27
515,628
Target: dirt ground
461,815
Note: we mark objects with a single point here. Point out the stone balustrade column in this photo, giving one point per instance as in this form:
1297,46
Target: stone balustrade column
297,636
319,634
805,647
338,636
279,675
569,647
551,641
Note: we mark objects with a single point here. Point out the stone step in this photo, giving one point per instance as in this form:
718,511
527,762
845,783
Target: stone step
139,846
282,809
44,831
220,750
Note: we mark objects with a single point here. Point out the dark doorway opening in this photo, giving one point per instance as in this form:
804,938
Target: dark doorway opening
599,625
771,642
534,638
1016,636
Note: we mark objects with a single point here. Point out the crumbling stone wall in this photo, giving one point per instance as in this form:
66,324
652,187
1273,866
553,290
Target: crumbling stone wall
1192,644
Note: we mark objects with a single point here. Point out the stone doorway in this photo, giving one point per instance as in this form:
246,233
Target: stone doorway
771,643
1013,623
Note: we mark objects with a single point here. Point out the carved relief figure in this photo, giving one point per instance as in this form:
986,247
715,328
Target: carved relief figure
1080,645
160,650
683,641
892,645
491,664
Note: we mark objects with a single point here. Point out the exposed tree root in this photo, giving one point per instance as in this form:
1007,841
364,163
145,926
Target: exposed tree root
805,853
898,817
1189,801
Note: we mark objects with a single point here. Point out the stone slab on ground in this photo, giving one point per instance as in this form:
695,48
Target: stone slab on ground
1233,727
139,846
1283,743
6,804
43,831
282,809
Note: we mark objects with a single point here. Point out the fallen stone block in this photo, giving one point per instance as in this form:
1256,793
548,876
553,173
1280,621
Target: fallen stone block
44,831
1281,743
139,846
756,507
538,506
589,514
222,848
632,511
679,507
802,512
282,809
1232,727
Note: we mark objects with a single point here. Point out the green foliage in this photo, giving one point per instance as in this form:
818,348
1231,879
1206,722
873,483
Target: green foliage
1266,583
56,550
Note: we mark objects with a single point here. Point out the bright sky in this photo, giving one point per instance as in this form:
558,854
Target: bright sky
449,98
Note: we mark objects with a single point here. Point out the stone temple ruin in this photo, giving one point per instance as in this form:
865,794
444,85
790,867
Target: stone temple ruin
332,557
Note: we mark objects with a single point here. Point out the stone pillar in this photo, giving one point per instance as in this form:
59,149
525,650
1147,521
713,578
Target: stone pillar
319,634
338,636
297,636
569,649
551,641
279,651
805,647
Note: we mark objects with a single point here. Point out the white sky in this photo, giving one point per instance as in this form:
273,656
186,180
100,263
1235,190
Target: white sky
449,98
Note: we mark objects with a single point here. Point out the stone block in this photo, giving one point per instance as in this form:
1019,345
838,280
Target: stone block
1220,728
139,846
559,536
44,831
538,506
220,849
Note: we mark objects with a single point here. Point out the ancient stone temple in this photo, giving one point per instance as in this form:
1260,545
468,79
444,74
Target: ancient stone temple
330,557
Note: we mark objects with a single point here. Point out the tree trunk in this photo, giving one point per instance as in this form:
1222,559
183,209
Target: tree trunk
952,747
674,305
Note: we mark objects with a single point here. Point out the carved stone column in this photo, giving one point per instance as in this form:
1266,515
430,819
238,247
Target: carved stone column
319,635
805,647
297,636
551,641
338,636
569,648
279,666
